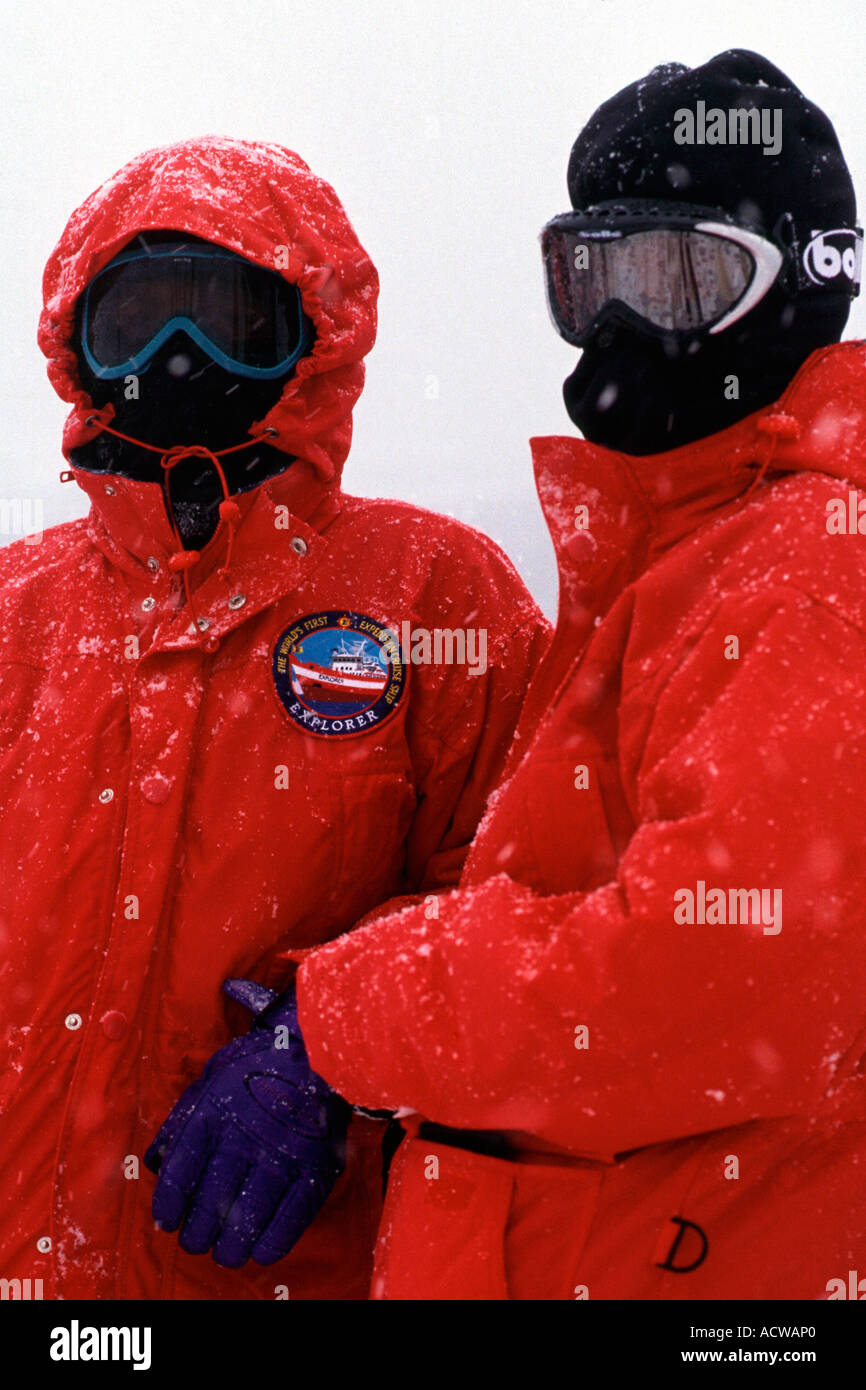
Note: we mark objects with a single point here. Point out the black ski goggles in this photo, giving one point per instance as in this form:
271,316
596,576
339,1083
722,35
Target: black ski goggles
676,269
246,318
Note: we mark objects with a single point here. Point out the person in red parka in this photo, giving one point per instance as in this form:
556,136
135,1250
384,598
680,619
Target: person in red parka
214,748
633,1038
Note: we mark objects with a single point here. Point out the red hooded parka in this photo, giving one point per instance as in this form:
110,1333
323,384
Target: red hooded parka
177,803
652,978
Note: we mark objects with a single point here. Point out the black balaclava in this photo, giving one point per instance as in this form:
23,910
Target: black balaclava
184,398
643,395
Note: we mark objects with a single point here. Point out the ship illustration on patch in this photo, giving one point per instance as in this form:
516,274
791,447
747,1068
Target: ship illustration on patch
338,673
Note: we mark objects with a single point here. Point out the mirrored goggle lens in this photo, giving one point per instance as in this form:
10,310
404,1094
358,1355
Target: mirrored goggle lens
250,314
677,279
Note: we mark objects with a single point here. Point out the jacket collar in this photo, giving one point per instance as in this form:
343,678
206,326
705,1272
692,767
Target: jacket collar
635,508
277,537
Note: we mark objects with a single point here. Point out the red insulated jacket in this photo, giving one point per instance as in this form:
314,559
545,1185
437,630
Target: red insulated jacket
652,978
178,805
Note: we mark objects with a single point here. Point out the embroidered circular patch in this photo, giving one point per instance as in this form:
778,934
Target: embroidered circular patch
338,673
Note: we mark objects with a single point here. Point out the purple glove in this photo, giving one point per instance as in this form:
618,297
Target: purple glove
252,1149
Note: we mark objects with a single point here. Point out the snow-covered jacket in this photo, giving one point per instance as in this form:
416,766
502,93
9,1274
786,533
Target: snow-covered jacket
652,978
179,804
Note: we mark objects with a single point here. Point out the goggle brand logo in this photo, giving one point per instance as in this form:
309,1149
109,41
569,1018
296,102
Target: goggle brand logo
833,254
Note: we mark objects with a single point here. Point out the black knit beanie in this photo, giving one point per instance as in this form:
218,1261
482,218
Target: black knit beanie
640,394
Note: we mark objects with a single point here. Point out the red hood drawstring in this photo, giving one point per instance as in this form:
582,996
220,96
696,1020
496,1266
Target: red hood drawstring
182,561
778,426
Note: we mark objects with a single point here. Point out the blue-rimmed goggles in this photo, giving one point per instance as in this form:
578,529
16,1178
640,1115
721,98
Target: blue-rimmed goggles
248,319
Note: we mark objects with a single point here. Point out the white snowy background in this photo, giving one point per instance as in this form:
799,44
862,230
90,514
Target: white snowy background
445,129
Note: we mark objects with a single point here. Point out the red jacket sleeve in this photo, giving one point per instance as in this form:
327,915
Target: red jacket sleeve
751,778
462,721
